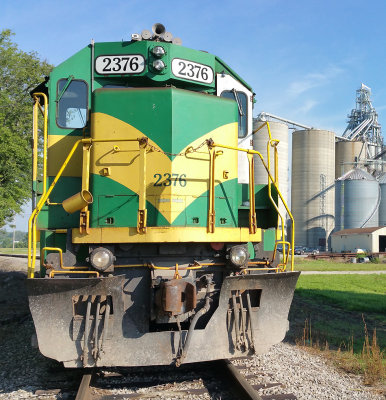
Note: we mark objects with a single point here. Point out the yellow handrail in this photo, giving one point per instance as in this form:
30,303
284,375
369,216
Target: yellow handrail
36,211
32,219
273,143
55,272
60,251
36,139
211,209
271,180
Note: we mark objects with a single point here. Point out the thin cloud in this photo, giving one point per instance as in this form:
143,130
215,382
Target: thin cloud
313,80
307,106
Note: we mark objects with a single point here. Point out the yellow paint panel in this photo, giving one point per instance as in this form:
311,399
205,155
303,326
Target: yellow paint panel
186,177
58,148
165,234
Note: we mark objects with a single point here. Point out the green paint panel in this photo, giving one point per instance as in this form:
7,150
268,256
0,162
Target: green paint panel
251,250
150,76
269,239
266,214
78,66
117,206
54,217
118,210
221,67
119,203
173,118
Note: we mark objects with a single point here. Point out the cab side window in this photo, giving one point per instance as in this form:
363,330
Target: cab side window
71,103
242,104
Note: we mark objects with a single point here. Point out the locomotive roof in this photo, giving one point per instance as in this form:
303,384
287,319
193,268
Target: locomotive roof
81,61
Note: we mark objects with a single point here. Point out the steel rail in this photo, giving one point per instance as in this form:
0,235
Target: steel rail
16,255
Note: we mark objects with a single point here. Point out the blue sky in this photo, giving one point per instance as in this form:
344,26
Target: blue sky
304,59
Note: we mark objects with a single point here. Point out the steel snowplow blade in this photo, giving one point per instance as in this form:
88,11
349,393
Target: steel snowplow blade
102,321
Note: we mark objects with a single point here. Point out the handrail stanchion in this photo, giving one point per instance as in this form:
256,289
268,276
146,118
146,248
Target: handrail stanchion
84,212
211,210
142,211
252,208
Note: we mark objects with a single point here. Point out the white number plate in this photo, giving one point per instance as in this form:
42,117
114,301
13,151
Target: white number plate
192,71
120,64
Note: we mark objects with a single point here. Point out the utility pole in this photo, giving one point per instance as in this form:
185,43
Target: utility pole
13,237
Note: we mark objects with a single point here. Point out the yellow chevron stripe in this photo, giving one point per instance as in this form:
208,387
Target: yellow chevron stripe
194,167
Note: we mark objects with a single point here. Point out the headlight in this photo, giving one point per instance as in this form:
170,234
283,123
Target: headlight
159,65
238,256
158,51
101,258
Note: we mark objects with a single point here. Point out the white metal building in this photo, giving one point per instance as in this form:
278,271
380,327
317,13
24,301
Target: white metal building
372,240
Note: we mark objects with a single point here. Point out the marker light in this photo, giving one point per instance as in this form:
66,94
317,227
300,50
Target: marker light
158,51
159,65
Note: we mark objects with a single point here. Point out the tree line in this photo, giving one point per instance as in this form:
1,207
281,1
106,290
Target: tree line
6,238
20,72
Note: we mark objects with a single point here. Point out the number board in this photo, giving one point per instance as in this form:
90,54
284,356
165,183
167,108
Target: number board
192,71
120,64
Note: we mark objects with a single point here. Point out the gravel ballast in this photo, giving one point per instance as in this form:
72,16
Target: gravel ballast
24,371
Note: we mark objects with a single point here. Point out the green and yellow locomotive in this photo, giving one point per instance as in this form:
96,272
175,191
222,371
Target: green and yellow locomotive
156,245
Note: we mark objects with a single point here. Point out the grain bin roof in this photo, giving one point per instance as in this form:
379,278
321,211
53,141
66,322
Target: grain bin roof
358,230
356,174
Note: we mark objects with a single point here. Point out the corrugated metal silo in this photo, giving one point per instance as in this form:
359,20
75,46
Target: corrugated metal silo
279,131
361,198
382,204
312,194
347,152
339,205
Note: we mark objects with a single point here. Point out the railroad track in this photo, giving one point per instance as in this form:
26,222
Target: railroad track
17,255
212,380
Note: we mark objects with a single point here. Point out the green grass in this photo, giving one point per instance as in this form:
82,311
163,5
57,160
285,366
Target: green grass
343,312
326,265
364,293
21,250
335,305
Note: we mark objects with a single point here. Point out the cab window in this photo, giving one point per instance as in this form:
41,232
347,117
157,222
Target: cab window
242,104
71,103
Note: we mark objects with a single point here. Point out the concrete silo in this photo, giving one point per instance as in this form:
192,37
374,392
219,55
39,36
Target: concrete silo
382,204
359,199
279,131
346,154
312,195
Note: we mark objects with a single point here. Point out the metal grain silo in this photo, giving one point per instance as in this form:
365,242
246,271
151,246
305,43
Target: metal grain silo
346,154
339,205
361,197
382,204
279,131
312,194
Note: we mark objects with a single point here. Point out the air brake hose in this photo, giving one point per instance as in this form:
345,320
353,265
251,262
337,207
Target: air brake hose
199,314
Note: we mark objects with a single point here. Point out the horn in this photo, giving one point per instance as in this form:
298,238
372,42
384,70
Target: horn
158,29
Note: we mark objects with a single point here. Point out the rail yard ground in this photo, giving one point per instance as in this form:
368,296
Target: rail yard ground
326,308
